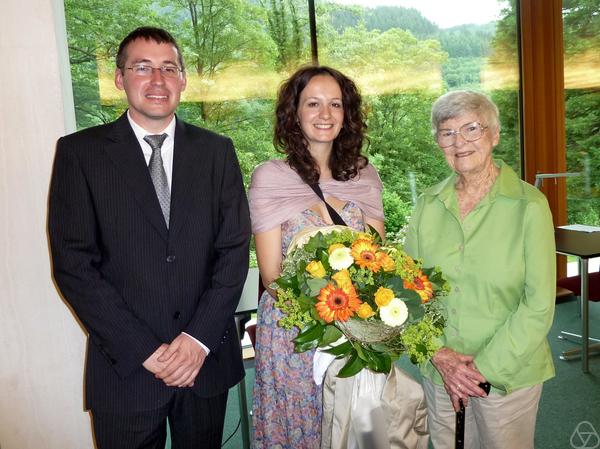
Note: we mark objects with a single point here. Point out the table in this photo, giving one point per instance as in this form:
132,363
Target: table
585,246
247,305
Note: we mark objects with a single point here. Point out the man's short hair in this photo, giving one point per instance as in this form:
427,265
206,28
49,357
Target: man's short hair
157,35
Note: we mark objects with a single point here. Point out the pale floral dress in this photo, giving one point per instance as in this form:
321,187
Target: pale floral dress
287,403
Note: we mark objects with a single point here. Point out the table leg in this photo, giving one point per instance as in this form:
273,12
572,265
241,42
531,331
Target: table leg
244,414
240,321
585,331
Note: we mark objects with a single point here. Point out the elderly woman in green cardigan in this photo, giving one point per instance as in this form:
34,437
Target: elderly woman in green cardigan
492,235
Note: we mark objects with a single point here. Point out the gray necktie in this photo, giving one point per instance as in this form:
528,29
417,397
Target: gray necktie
158,175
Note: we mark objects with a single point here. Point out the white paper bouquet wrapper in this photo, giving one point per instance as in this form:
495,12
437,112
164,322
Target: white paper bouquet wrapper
373,411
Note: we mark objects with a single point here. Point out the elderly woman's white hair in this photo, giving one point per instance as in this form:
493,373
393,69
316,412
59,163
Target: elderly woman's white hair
455,103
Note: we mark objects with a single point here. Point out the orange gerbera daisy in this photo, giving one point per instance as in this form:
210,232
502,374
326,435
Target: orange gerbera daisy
387,263
336,304
421,285
364,253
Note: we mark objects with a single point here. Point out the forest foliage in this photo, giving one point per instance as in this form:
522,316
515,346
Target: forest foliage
237,51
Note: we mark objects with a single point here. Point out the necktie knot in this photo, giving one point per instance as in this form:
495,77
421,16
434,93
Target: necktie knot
155,140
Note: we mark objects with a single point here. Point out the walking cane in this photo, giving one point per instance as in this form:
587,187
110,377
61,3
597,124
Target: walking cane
459,440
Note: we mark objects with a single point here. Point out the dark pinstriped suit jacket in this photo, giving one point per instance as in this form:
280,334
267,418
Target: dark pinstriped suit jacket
133,283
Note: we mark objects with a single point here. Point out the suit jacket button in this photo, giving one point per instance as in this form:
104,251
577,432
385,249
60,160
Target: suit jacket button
170,259
176,315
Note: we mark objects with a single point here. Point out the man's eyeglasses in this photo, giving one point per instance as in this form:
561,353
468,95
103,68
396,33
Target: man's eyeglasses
470,132
168,71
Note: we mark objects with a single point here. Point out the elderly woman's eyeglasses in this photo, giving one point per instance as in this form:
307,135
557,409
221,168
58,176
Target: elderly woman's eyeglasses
168,71
470,132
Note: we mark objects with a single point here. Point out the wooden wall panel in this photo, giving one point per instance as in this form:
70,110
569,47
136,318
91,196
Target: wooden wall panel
542,79
543,97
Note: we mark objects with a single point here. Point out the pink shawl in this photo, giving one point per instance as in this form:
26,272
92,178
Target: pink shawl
277,193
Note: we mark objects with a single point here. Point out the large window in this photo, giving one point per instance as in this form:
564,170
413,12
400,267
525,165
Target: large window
581,24
581,21
237,52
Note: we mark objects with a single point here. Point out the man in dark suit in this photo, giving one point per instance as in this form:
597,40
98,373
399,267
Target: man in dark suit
149,230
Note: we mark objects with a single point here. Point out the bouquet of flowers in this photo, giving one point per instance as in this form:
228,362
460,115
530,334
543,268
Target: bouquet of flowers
354,296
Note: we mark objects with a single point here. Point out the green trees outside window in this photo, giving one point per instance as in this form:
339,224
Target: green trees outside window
581,21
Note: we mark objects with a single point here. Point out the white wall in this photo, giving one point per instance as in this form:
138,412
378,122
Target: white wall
41,345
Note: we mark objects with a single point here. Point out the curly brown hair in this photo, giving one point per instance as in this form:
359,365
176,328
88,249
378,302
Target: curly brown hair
346,159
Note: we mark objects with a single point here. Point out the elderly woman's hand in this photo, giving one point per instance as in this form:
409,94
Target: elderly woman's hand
460,375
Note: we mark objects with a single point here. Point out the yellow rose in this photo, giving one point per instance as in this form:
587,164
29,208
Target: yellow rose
365,311
343,280
383,296
387,263
316,269
335,246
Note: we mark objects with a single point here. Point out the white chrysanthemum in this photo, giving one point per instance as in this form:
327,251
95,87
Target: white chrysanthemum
395,313
341,258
